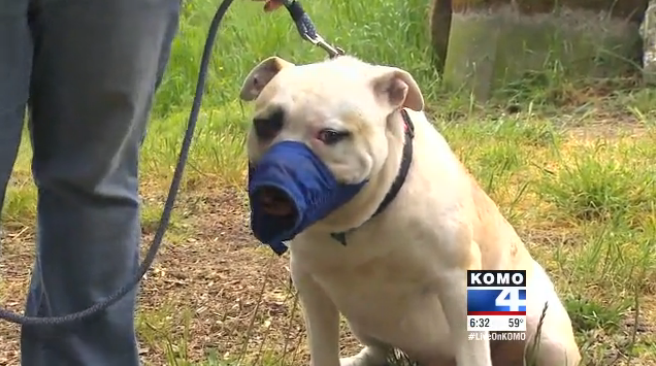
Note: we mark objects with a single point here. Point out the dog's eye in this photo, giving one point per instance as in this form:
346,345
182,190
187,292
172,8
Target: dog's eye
331,137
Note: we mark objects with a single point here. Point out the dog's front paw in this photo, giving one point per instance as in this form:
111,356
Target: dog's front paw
352,361
368,356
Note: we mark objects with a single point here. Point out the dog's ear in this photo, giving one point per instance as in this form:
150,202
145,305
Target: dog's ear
397,88
260,76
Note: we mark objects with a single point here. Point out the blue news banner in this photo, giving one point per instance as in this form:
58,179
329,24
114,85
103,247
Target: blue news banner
496,301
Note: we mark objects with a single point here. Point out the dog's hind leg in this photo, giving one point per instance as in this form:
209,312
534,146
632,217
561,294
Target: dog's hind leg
508,353
555,344
374,352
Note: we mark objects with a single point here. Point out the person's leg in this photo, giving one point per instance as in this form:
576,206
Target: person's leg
93,78
15,65
171,30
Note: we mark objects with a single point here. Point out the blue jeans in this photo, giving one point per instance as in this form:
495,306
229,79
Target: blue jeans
86,70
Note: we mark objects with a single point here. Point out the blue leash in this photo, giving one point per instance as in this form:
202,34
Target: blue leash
307,30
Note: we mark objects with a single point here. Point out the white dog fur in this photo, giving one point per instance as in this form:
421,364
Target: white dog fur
400,280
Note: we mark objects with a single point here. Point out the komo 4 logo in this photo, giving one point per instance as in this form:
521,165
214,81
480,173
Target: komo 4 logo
512,299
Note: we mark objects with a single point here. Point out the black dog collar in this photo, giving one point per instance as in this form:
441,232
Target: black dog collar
406,160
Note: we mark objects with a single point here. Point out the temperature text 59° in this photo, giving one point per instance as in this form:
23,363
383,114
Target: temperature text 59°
517,322
496,323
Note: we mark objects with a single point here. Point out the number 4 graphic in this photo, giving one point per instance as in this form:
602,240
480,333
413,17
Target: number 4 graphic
510,298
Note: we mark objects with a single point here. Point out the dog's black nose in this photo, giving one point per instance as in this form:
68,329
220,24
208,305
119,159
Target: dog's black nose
266,128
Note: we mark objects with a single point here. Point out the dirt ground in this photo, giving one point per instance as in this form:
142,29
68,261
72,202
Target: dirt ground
202,293
212,289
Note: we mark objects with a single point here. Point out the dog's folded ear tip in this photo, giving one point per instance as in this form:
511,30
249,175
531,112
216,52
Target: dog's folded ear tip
247,96
414,100
415,104
275,63
260,76
398,88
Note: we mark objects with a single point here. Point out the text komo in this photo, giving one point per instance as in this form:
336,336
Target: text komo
492,293
496,278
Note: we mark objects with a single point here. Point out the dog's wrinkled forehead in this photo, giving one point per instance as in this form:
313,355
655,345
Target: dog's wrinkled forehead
343,84
334,87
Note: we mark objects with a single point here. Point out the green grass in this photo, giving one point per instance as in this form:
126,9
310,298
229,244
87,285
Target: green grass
586,206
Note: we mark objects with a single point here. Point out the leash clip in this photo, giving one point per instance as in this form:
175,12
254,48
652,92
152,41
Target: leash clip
317,40
307,30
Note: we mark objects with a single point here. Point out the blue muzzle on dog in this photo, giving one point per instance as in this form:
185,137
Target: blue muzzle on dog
289,190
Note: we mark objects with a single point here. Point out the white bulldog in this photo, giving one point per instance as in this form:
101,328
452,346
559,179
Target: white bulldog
400,279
